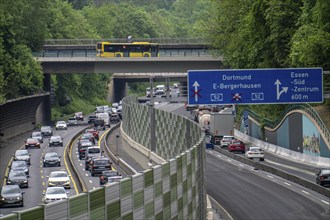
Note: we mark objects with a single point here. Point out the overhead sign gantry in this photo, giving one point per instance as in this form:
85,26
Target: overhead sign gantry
255,86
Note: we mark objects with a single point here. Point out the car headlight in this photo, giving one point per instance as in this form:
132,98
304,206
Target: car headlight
58,160
18,198
3,199
25,181
8,181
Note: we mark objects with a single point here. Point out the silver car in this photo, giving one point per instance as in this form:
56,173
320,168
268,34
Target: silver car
37,135
11,195
23,155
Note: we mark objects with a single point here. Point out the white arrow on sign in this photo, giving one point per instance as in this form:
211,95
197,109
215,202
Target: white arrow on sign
196,90
278,92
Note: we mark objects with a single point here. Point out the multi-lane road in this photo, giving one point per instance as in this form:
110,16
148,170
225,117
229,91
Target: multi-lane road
244,192
38,174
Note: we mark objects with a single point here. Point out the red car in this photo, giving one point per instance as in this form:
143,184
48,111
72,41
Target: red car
94,132
31,142
236,145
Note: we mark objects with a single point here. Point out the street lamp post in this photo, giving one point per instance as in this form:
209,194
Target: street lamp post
117,141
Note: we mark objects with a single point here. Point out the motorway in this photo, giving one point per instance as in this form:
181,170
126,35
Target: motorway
38,173
244,192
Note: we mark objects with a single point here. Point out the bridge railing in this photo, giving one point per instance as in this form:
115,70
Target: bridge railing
163,41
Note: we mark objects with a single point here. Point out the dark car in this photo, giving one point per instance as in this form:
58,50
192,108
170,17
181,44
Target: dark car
84,144
91,119
46,131
86,136
108,175
37,135
119,111
20,166
323,177
55,140
79,116
99,124
17,178
31,142
99,164
236,145
91,152
94,132
11,195
114,118
22,155
51,159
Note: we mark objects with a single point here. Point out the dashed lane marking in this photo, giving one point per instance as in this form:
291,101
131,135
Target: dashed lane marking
229,160
241,165
305,192
86,174
288,184
325,202
90,181
270,176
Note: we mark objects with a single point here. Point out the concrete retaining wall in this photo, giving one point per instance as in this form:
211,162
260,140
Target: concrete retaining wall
293,155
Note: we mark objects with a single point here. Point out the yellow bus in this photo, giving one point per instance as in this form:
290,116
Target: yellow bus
134,49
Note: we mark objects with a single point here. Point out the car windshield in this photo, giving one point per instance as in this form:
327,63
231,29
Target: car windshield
55,190
36,134
236,142
60,122
18,164
58,174
45,128
16,174
94,150
255,150
55,138
31,140
86,144
51,156
22,153
10,190
101,162
72,119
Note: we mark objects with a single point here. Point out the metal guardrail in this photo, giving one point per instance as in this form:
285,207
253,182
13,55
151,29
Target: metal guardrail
304,107
163,41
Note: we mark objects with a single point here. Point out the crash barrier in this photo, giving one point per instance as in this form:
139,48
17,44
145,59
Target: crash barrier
278,150
174,189
120,162
277,172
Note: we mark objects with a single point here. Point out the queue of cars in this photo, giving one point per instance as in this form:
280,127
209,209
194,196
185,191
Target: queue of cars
18,175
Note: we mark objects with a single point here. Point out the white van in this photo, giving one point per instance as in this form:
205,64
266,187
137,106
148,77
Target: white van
105,117
160,90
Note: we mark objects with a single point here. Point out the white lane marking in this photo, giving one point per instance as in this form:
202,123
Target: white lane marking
218,156
305,192
270,177
229,160
94,187
241,165
81,164
325,202
287,183
86,174
90,181
290,167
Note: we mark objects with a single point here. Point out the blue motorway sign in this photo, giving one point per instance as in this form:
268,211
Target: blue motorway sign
255,86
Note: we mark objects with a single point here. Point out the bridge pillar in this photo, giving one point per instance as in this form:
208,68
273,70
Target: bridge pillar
118,90
183,88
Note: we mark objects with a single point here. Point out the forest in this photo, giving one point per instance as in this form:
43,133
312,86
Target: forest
248,33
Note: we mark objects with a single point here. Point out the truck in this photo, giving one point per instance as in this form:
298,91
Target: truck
221,124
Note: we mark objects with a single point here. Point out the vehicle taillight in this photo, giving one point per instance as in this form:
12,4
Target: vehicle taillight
102,177
321,177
